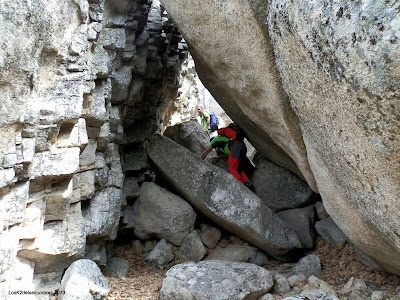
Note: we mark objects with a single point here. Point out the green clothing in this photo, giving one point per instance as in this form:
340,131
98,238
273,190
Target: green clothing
204,117
221,143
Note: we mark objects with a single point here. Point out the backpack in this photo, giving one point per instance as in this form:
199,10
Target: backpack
233,131
213,122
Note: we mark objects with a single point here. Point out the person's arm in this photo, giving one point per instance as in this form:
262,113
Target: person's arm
220,156
205,153
208,122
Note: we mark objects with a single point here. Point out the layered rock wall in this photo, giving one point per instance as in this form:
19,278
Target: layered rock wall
75,75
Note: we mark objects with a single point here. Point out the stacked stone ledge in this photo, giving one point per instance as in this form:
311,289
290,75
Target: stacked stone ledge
61,176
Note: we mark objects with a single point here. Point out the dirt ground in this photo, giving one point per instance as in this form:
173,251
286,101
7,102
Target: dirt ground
338,266
141,282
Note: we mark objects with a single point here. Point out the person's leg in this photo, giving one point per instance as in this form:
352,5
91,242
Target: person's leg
244,177
233,166
240,170
247,166
242,166
234,161
242,160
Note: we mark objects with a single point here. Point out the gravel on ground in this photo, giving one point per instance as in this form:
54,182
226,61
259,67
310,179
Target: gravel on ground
339,264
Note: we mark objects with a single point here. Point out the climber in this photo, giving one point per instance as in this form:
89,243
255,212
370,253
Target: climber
213,126
237,152
205,119
221,146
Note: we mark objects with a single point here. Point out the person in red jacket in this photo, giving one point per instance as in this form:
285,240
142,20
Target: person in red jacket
237,152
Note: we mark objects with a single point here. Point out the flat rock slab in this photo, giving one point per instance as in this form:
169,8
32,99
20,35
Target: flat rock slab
221,197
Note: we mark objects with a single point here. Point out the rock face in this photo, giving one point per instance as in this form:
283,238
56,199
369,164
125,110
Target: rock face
76,75
338,64
221,197
349,122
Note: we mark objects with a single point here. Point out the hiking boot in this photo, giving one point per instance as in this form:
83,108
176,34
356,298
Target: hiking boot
250,185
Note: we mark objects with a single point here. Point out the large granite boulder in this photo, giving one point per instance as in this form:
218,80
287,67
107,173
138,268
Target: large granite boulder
315,85
159,213
221,197
216,280
340,73
84,280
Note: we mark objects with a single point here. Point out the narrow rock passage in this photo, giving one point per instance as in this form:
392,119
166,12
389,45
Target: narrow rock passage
228,203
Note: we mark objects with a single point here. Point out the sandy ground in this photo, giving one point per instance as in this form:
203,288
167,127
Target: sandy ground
339,265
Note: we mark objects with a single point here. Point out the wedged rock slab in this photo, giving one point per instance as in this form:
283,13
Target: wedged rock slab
216,280
330,232
302,221
174,218
103,214
238,253
190,135
221,197
278,187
